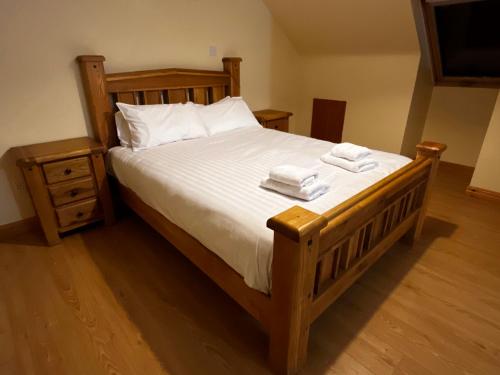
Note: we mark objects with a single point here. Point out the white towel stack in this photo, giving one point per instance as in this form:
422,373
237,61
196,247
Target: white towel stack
350,157
295,181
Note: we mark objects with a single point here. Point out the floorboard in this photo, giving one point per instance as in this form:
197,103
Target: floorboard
121,300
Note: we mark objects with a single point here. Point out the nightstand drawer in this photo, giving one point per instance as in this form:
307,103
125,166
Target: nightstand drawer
77,212
66,170
72,191
273,119
280,124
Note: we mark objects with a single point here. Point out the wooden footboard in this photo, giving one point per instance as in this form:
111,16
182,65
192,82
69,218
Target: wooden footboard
317,257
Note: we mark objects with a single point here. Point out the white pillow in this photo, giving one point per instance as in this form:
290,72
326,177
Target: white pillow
157,124
122,130
197,128
227,114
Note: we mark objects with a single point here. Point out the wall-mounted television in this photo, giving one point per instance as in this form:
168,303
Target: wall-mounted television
464,40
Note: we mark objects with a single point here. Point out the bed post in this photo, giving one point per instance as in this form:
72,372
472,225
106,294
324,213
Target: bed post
433,151
99,106
232,66
296,244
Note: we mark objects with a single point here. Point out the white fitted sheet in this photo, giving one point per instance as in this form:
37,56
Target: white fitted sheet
210,188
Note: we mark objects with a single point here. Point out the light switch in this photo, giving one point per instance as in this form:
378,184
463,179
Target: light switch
212,51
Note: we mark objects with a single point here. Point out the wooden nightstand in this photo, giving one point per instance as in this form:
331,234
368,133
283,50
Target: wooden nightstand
272,119
67,183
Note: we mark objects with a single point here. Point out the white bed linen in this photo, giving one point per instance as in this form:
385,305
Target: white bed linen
210,188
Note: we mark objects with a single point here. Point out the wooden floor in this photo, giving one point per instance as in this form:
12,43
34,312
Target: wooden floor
121,300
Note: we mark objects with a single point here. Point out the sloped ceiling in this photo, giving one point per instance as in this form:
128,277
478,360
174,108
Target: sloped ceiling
347,26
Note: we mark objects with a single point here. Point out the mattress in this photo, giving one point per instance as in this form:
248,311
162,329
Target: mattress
209,187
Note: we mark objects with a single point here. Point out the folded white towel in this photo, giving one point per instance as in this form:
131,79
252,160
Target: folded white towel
293,175
361,165
349,151
307,193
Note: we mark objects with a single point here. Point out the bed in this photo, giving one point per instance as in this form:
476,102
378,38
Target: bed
283,260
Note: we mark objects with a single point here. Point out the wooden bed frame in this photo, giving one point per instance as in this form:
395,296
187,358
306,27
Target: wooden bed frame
316,257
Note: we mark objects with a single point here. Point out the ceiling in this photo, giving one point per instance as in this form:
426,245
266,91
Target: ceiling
347,26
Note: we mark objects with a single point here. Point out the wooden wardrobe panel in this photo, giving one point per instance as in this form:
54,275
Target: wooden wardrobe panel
328,119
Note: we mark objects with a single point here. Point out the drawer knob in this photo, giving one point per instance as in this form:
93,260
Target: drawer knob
67,171
79,214
73,193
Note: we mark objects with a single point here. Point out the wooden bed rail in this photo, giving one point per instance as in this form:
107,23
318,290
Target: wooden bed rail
317,257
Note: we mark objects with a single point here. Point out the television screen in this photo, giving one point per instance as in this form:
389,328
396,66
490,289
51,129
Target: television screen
469,38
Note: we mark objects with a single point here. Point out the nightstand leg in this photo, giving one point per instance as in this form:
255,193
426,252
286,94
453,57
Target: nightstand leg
103,188
41,202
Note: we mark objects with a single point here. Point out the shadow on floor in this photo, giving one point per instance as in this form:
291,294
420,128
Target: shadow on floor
332,332
190,323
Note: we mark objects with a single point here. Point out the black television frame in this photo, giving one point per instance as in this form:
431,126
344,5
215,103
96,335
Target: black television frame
433,42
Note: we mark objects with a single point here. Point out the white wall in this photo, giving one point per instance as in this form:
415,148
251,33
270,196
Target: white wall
378,90
459,117
419,107
487,172
347,27
41,97
365,52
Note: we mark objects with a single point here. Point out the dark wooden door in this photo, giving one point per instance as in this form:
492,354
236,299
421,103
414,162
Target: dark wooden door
328,119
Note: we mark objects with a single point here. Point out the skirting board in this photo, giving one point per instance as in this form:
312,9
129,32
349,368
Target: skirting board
482,193
19,227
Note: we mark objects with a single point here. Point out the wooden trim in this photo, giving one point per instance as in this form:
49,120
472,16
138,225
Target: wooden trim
296,223
440,79
295,253
432,39
343,223
41,201
39,153
449,164
326,298
264,115
431,151
392,178
481,193
112,77
103,191
96,94
18,228
232,67
175,79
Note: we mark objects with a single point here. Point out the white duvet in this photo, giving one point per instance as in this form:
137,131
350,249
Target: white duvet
210,188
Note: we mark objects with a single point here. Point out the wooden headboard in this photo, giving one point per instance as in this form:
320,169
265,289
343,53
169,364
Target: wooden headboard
173,85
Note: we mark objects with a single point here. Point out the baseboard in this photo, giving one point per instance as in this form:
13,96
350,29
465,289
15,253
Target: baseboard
449,164
482,193
19,227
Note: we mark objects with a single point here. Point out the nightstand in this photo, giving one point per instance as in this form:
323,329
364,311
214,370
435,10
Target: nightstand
67,184
273,119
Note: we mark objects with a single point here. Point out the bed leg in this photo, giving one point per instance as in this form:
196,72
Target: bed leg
296,244
433,151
